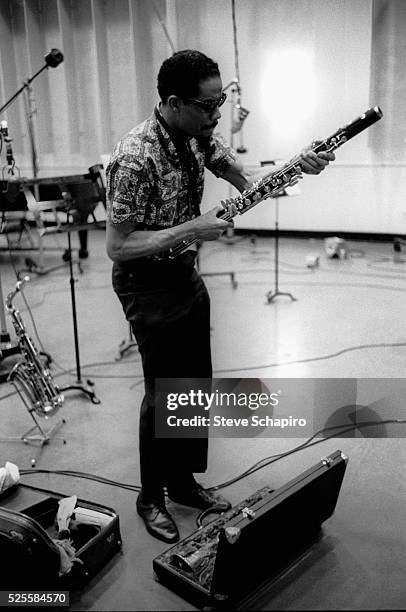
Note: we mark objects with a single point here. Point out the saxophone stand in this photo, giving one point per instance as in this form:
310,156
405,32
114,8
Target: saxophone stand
21,377
271,295
43,436
79,385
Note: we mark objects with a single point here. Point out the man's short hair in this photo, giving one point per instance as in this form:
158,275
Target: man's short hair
181,74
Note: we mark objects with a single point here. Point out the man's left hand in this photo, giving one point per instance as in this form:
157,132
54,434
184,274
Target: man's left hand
314,163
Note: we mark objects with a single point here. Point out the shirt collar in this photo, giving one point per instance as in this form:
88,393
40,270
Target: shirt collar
178,139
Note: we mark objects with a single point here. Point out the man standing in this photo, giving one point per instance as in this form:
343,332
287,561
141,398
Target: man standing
154,189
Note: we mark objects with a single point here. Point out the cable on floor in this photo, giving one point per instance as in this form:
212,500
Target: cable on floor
307,444
84,475
309,359
254,468
241,369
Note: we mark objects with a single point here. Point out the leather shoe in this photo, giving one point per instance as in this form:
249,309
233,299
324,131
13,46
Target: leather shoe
197,497
157,519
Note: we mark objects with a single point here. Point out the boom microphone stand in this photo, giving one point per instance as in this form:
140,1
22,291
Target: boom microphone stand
7,348
52,59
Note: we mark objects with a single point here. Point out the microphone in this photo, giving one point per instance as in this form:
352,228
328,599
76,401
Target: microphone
9,151
237,125
54,58
4,129
242,114
241,117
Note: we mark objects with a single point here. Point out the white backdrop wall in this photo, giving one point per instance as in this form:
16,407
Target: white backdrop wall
306,68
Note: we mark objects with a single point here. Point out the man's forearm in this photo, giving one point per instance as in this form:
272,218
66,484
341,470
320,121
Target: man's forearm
142,243
242,178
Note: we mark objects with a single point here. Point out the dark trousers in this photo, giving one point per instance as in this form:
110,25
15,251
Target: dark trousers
168,307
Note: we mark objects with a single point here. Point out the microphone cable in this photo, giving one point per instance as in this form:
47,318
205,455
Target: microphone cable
251,470
163,25
307,444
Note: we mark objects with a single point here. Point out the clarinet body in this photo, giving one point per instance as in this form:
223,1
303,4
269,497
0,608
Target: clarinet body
32,379
289,174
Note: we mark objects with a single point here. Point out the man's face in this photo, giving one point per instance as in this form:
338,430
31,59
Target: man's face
196,119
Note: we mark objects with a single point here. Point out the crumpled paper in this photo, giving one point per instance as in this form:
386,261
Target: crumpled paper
64,544
63,517
9,476
68,556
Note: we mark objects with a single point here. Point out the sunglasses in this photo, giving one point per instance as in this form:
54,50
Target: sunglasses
208,106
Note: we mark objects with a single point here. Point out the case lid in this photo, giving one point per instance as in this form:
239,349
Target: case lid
259,543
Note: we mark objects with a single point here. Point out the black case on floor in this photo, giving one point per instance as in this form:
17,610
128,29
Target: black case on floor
31,559
238,554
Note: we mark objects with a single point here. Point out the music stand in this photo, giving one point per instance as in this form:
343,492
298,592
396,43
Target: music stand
68,228
271,295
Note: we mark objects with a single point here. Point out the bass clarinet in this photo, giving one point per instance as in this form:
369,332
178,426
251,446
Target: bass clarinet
276,182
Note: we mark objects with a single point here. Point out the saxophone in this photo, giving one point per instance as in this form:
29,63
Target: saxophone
32,379
273,184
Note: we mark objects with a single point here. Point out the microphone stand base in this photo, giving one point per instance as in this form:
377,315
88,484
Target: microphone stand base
272,295
86,389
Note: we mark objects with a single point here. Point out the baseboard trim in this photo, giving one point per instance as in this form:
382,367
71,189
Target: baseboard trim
359,236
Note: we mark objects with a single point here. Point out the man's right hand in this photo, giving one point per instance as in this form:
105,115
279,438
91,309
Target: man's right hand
208,226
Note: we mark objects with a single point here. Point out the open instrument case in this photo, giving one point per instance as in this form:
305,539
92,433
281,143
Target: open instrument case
248,547
27,532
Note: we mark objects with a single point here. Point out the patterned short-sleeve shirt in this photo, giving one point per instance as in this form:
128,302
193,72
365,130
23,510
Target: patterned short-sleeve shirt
151,186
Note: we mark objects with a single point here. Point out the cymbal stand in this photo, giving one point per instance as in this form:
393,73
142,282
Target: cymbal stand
88,388
271,295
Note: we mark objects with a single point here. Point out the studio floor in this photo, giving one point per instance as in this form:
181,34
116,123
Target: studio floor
347,323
